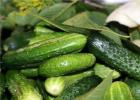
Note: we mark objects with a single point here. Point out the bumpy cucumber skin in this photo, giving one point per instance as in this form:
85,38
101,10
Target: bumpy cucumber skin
66,64
20,87
114,55
43,50
79,88
118,91
2,85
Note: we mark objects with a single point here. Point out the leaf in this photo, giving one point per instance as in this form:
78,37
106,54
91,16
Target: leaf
64,10
98,17
135,34
52,12
98,92
83,20
63,27
127,14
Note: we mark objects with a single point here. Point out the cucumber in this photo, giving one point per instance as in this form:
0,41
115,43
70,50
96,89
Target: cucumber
45,37
114,55
134,87
2,85
40,30
43,50
79,88
103,71
66,64
55,85
118,91
30,72
20,87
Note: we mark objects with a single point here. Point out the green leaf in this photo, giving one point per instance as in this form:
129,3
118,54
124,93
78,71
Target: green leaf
134,34
63,27
98,92
53,11
98,17
64,10
82,24
84,20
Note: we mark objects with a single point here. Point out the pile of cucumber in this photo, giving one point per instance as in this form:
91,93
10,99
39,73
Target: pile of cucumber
64,66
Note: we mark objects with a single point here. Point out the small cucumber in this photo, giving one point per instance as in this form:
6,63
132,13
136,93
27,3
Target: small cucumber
55,85
118,91
30,72
79,88
134,87
43,50
20,87
66,64
114,55
103,71
40,30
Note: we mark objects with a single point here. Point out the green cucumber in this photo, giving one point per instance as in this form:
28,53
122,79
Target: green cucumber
45,37
134,87
118,91
114,55
55,85
103,71
43,50
2,85
30,72
20,87
79,88
66,64
40,30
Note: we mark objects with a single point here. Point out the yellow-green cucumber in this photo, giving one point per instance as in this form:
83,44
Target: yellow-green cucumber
55,85
20,87
66,64
103,71
118,91
43,50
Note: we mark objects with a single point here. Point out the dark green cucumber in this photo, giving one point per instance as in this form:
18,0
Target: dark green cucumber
66,64
134,87
118,91
20,87
45,49
2,85
79,88
55,85
30,72
114,55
